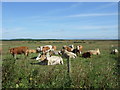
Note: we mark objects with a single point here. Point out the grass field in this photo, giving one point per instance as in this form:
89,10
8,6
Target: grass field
100,71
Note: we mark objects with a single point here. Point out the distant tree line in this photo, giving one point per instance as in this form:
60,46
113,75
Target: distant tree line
57,39
32,40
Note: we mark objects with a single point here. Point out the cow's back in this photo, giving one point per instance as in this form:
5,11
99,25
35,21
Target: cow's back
19,50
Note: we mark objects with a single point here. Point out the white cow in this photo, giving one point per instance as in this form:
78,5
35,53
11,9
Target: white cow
95,52
51,60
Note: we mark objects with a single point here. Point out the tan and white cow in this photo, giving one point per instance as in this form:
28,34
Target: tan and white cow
95,52
45,49
69,48
79,48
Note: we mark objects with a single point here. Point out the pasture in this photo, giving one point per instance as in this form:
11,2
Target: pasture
99,71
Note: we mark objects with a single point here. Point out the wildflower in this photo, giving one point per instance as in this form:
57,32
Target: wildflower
31,78
17,85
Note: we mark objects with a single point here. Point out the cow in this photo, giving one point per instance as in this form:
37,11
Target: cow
76,51
68,54
79,49
50,60
87,55
18,50
31,51
46,48
95,52
114,51
69,48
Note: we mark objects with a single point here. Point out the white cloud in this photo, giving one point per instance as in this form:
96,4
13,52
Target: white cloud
97,27
93,14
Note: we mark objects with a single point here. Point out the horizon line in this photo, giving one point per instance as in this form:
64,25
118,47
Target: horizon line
60,39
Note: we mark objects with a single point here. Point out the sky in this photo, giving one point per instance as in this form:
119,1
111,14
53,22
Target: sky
60,20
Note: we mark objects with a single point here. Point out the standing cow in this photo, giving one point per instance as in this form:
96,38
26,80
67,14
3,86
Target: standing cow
18,50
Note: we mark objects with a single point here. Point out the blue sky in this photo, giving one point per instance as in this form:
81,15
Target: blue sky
60,20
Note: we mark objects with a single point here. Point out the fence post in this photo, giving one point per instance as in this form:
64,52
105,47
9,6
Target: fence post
69,81
69,65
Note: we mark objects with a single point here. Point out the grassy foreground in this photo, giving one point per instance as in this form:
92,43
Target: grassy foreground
97,72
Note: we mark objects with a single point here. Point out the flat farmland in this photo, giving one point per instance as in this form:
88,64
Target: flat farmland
99,71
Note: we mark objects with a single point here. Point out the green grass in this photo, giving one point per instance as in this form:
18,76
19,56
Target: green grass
97,72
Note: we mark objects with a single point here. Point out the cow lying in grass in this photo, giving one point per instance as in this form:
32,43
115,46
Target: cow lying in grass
70,48
114,51
87,55
45,49
68,54
95,52
19,50
50,60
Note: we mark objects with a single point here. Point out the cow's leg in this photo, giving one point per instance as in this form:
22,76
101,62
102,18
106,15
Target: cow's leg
49,63
38,57
26,54
80,52
61,61
14,56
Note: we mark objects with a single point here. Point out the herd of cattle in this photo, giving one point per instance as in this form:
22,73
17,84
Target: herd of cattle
48,53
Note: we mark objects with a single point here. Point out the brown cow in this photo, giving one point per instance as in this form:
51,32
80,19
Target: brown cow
45,49
69,49
19,50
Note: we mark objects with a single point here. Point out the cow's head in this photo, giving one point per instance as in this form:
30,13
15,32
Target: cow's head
38,49
98,51
11,50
